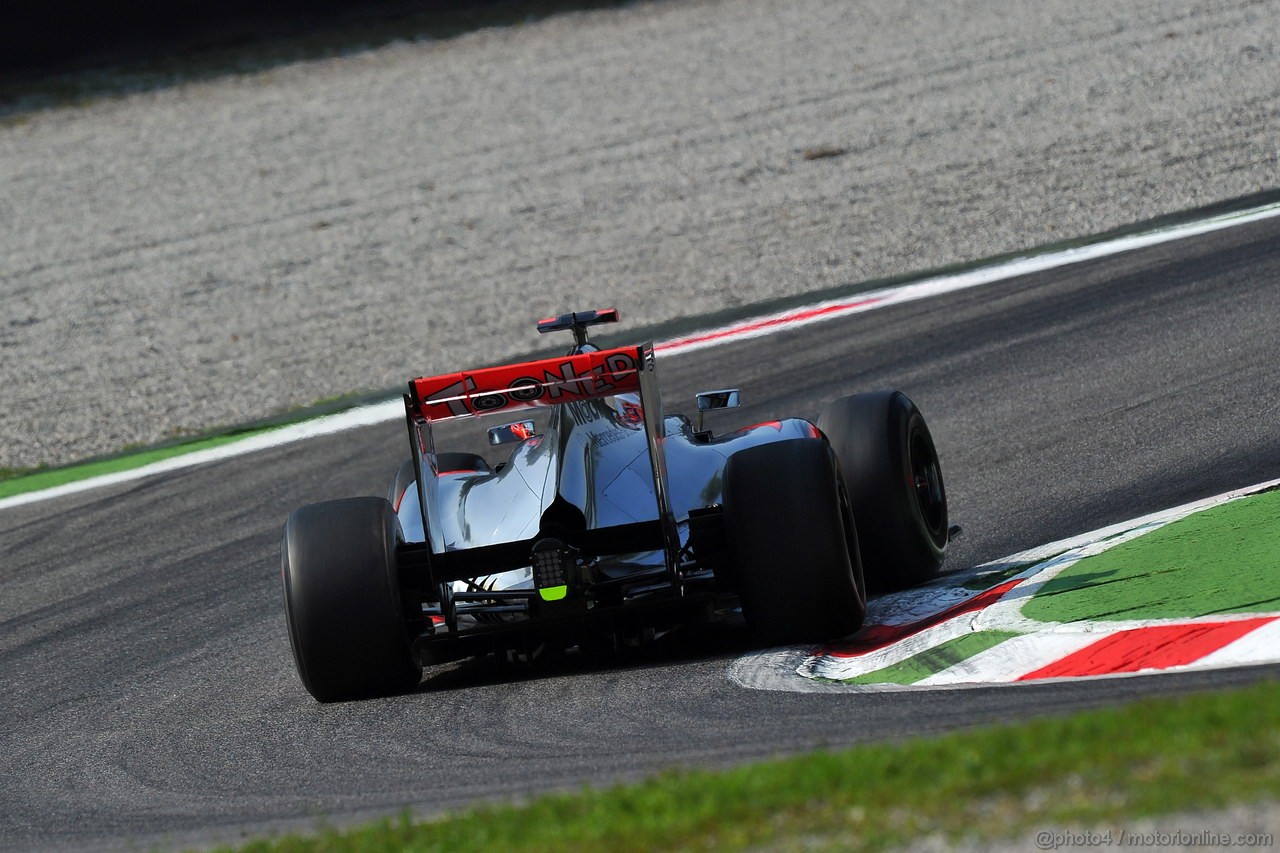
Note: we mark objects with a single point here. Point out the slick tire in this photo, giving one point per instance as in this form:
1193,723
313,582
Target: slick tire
342,600
792,543
895,484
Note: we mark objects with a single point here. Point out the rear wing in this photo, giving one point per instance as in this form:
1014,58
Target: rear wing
532,384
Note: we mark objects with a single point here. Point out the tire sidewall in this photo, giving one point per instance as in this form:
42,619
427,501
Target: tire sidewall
872,435
342,600
794,563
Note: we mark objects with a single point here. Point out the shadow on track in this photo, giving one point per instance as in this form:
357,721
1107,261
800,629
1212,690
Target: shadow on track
685,644
68,52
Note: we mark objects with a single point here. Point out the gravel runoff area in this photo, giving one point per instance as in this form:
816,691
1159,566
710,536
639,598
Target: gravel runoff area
220,251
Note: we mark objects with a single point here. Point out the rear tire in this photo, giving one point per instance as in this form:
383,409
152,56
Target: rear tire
342,600
792,542
895,483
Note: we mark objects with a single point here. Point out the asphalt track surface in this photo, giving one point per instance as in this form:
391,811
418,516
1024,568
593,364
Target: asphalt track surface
149,697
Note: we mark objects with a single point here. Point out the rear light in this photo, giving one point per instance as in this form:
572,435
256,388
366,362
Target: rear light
552,564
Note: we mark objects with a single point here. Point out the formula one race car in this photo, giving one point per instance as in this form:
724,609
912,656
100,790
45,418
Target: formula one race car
607,520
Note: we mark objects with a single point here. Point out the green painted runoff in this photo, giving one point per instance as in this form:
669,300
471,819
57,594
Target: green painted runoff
932,661
1221,560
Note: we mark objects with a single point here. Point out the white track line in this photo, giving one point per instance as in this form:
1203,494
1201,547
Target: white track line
378,413
930,287
754,328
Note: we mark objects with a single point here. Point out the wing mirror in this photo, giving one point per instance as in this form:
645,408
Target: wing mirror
711,400
510,433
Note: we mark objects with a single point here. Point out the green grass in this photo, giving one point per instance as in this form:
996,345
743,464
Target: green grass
1096,768
18,481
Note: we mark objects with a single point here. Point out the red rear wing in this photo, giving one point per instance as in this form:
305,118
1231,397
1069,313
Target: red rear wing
534,383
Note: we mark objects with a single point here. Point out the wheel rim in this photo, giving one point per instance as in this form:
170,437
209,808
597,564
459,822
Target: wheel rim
926,481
